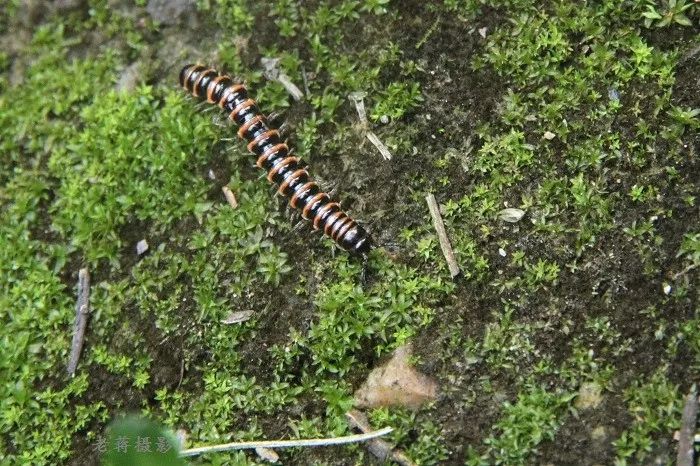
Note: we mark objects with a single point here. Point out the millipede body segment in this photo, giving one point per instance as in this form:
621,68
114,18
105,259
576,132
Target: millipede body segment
274,156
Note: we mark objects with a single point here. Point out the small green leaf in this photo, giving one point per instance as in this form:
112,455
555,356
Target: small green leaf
667,19
682,19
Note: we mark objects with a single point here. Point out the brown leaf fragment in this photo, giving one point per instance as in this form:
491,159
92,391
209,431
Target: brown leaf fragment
396,384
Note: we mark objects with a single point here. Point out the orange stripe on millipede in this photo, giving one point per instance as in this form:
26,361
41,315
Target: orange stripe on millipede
331,219
232,89
224,96
293,177
344,230
312,202
268,153
322,212
261,137
186,80
303,190
196,83
280,166
336,228
242,106
242,130
211,87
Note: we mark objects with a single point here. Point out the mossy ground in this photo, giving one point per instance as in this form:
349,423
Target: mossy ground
571,111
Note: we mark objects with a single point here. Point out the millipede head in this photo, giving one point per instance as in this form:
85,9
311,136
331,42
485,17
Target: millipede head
184,72
362,247
356,241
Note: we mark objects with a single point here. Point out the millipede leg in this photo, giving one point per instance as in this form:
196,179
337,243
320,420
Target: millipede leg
333,190
365,270
284,130
274,117
298,226
220,121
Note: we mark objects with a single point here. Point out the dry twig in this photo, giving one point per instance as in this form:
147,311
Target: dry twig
684,271
314,442
383,450
379,145
230,197
273,72
82,307
689,419
357,98
305,80
442,235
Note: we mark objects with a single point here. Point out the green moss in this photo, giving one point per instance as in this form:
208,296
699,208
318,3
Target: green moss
571,112
533,418
656,407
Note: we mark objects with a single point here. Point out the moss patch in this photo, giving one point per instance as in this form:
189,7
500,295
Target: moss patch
577,114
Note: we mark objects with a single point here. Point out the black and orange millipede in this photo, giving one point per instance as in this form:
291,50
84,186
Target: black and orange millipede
275,157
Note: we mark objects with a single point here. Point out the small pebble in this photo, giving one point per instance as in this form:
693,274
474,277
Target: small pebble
141,247
267,454
237,317
511,215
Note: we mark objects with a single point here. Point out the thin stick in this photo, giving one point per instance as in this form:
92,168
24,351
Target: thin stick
314,442
382,449
305,81
273,72
442,235
230,197
686,449
290,87
379,145
82,307
430,32
357,98
684,271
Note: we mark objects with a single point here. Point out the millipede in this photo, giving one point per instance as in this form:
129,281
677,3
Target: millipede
273,155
